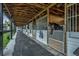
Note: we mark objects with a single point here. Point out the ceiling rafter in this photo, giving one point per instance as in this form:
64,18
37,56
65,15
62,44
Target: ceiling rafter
42,11
26,12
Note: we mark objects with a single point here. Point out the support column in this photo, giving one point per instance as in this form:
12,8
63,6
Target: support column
47,25
15,27
11,28
65,32
1,31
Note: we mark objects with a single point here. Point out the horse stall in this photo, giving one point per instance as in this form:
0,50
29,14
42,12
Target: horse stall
41,29
56,25
72,11
72,29
29,29
73,43
24,29
34,29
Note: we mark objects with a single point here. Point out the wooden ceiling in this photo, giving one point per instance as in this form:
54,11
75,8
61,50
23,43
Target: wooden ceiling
57,14
22,13
58,9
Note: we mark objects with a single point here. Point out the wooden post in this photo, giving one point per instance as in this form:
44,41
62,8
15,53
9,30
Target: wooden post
65,32
47,25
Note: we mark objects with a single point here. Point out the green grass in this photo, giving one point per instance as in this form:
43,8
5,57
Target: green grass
6,38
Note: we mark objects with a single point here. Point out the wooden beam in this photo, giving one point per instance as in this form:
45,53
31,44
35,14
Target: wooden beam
43,11
27,6
21,21
7,9
70,4
9,13
38,5
56,13
23,10
58,9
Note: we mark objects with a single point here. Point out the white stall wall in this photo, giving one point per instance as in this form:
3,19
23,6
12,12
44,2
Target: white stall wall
44,40
28,33
34,34
55,40
72,42
24,31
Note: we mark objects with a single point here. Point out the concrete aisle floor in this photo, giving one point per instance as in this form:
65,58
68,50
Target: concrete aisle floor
25,46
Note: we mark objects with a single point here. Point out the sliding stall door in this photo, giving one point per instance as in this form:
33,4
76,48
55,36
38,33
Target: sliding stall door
73,17
72,29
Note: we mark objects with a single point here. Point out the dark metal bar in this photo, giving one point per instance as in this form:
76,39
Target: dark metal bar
11,30
1,30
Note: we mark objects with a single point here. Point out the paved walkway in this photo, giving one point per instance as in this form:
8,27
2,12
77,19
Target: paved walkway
25,46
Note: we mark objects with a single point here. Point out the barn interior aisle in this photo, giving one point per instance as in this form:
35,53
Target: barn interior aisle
42,29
